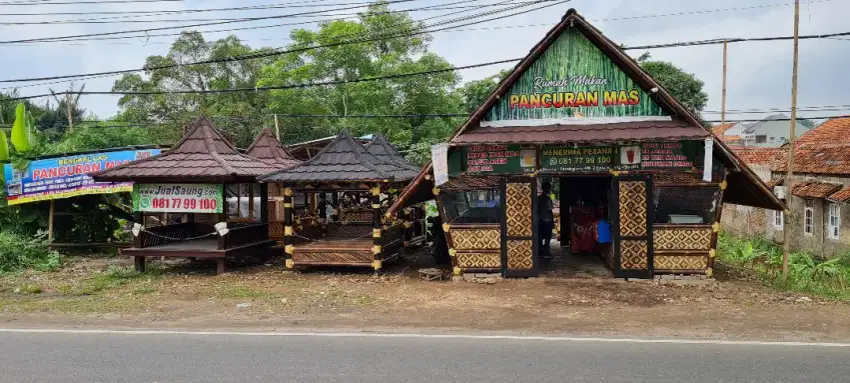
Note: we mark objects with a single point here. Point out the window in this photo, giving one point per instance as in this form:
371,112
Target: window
778,219
761,139
772,138
685,205
478,206
809,217
834,223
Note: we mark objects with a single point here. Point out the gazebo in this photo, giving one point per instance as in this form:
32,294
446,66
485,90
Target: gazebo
412,216
192,180
357,233
267,148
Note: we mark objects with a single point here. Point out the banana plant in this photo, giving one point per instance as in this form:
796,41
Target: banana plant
22,129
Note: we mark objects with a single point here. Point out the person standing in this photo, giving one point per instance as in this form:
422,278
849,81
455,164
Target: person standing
546,219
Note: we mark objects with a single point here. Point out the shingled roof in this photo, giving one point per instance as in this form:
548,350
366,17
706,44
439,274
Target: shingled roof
201,156
268,149
381,148
342,160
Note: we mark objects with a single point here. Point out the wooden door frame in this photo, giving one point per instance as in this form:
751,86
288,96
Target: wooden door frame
619,272
503,229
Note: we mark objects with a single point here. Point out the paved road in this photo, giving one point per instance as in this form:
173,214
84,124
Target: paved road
71,357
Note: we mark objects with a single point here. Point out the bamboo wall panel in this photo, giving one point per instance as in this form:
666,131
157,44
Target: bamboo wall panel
632,202
673,262
479,260
520,254
519,215
633,255
682,239
332,258
475,239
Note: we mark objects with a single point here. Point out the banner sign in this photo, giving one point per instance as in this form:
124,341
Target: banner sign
589,159
65,177
573,80
494,159
178,198
440,163
664,155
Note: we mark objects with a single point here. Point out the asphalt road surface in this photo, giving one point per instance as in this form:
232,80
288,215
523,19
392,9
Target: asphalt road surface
111,357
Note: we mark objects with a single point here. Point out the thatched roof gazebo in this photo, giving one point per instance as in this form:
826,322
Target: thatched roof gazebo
191,179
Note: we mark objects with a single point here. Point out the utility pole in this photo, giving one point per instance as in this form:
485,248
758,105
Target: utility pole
276,128
69,111
723,93
789,176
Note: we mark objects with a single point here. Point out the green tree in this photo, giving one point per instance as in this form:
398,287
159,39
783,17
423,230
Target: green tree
427,94
683,86
181,108
474,93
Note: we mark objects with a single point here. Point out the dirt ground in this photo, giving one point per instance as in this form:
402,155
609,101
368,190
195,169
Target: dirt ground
105,293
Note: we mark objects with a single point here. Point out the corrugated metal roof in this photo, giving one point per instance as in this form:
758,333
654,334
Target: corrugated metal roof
268,149
552,134
202,155
342,160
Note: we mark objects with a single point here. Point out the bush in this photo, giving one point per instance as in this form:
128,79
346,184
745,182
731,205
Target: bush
18,252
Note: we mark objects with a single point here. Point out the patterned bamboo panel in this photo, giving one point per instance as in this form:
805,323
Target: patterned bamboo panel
477,239
518,201
479,260
680,262
349,231
632,208
520,255
333,257
633,255
356,216
682,239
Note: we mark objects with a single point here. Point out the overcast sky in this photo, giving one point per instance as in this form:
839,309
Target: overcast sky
759,74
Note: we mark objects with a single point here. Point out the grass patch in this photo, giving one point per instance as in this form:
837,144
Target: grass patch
244,292
113,278
806,273
29,289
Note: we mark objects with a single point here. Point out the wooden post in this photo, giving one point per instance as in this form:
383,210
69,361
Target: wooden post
723,91
789,176
50,221
139,262
276,128
238,201
223,216
335,204
715,232
288,243
376,226
264,203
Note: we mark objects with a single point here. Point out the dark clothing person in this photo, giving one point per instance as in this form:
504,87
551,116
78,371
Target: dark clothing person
546,221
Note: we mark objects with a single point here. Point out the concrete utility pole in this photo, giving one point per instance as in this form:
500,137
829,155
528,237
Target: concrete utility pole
723,92
789,176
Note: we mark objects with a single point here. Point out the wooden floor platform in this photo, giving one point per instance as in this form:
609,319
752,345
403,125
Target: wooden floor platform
198,248
337,244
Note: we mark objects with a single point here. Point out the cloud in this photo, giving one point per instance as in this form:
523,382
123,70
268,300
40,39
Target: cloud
759,74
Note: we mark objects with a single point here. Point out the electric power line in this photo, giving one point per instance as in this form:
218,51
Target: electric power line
27,3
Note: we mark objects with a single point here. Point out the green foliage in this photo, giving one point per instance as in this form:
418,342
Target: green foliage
19,252
806,273
683,86
90,137
21,129
474,93
4,146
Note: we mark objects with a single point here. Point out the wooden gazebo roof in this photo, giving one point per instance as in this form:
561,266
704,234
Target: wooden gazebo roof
268,149
201,156
382,149
343,160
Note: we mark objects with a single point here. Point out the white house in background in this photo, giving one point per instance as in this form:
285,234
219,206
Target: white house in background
772,131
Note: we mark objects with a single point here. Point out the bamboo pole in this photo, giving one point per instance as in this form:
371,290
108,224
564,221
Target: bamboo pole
276,128
789,176
50,221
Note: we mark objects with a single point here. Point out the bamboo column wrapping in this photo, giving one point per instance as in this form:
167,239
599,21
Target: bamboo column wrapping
288,243
404,214
376,226
715,232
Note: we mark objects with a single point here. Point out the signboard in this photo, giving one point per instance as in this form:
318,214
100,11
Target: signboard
571,82
65,177
588,159
495,159
178,198
440,163
664,155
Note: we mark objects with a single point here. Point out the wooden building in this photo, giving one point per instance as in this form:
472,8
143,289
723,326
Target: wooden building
268,149
360,187
580,113
191,180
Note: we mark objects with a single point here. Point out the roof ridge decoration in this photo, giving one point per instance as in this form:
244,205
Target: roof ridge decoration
757,193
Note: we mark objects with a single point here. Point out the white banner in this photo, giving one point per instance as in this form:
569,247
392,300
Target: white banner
178,198
440,163
707,162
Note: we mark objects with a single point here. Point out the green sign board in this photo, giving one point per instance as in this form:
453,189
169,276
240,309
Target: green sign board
588,159
666,155
573,80
178,198
498,159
